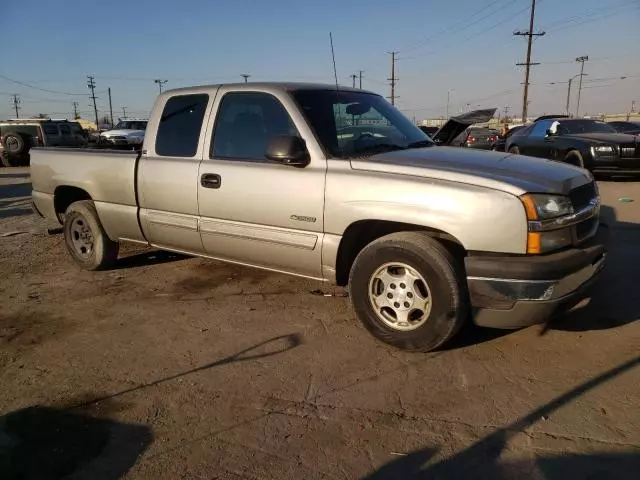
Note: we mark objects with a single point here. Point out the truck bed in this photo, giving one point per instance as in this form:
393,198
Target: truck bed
107,176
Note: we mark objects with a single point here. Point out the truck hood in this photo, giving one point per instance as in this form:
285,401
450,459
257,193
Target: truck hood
604,137
123,132
515,174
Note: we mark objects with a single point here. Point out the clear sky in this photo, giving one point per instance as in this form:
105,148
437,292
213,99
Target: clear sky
466,47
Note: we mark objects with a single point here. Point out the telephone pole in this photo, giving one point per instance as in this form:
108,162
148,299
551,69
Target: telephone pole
124,112
160,83
110,106
92,86
506,112
16,104
582,59
360,79
353,78
75,110
393,80
528,63
245,76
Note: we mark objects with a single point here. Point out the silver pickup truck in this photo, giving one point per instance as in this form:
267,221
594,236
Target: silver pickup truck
339,186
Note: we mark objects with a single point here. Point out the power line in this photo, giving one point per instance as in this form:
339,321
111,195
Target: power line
18,82
528,63
482,32
458,26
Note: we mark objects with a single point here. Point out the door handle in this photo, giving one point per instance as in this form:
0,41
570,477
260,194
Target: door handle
210,180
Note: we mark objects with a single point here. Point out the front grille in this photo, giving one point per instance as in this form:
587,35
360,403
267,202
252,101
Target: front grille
586,229
629,151
581,196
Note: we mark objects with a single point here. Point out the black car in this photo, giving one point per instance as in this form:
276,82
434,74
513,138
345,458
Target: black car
500,144
590,144
632,128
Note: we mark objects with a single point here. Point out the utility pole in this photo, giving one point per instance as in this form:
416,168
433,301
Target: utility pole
16,104
393,80
245,76
528,63
160,83
110,107
633,106
92,86
581,60
448,100
75,110
506,113
124,112
360,79
353,78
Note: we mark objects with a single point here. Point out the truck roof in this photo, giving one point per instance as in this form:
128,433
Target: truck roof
284,86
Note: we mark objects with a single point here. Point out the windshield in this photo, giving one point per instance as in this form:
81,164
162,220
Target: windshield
584,126
351,124
130,125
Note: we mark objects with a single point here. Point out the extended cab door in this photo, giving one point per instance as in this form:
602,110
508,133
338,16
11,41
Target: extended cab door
168,172
252,210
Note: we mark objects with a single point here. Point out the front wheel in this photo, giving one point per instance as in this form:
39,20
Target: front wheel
574,158
409,291
515,150
86,239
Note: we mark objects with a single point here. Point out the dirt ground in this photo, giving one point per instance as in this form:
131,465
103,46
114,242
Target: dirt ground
174,367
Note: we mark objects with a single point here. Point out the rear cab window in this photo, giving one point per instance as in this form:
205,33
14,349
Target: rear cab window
50,130
180,125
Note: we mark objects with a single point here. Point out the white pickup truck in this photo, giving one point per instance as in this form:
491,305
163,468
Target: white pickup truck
339,186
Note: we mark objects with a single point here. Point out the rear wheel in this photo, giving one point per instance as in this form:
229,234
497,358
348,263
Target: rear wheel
86,240
515,150
409,291
574,158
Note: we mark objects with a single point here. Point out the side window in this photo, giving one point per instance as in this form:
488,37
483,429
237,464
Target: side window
180,125
245,123
65,130
540,129
50,130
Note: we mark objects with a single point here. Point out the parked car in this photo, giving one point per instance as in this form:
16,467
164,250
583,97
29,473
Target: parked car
17,137
126,133
428,130
476,137
632,128
341,187
501,141
586,143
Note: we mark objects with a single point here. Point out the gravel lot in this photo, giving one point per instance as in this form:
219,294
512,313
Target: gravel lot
174,367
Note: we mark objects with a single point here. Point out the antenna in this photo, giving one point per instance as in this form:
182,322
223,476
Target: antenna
333,56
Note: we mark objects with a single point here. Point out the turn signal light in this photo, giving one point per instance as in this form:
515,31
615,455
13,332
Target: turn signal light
534,243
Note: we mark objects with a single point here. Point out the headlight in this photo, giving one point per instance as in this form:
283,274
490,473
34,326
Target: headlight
545,207
603,149
541,207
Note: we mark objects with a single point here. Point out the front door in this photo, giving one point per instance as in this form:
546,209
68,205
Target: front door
252,210
536,144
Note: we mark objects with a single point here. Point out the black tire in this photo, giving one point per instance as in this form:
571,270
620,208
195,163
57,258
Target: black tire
574,158
10,161
515,150
443,274
96,252
16,144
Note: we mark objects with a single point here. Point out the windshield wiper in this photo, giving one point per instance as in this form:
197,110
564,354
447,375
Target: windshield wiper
421,143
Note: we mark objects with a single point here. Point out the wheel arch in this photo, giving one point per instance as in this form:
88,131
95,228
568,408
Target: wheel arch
362,232
65,195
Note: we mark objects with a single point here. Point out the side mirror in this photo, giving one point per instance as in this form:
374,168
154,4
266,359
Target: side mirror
288,150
